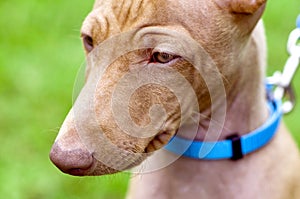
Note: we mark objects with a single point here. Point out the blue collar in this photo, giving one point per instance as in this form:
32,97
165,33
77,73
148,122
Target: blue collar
235,147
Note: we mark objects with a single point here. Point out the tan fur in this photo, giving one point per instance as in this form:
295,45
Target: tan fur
226,31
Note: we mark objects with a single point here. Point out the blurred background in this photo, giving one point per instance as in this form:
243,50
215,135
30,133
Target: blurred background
40,54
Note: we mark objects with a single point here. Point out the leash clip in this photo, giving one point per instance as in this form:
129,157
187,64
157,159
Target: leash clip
282,81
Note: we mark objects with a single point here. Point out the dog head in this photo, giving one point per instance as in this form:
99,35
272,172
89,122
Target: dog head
151,66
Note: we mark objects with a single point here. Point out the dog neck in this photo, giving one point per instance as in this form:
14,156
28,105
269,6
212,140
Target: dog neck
246,104
245,111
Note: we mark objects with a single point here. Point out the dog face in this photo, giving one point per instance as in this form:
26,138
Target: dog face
151,65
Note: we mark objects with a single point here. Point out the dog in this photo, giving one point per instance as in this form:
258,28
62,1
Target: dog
160,63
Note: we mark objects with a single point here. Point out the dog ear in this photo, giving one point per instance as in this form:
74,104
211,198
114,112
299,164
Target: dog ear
241,6
246,13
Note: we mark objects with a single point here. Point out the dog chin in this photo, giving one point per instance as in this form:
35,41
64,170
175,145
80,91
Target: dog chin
99,168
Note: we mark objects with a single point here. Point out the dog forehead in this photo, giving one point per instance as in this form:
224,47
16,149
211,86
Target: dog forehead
144,3
111,17
156,11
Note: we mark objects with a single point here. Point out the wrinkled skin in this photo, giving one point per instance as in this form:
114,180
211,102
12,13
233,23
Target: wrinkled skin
96,137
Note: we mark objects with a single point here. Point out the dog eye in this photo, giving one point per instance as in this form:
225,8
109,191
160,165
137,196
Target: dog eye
88,42
162,57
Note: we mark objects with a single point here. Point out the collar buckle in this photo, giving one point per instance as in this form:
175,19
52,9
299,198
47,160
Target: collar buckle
236,144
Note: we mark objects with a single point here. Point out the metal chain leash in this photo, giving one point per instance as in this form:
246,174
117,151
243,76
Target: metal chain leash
282,81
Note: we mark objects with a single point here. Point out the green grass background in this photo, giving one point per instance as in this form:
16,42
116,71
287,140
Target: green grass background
40,54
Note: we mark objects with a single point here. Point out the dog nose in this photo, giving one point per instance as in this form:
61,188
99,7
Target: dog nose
76,162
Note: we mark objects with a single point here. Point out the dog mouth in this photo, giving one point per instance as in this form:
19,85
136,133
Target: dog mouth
99,168
82,163
78,172
95,168
159,141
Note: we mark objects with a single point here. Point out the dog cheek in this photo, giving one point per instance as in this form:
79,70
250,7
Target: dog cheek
141,103
147,97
